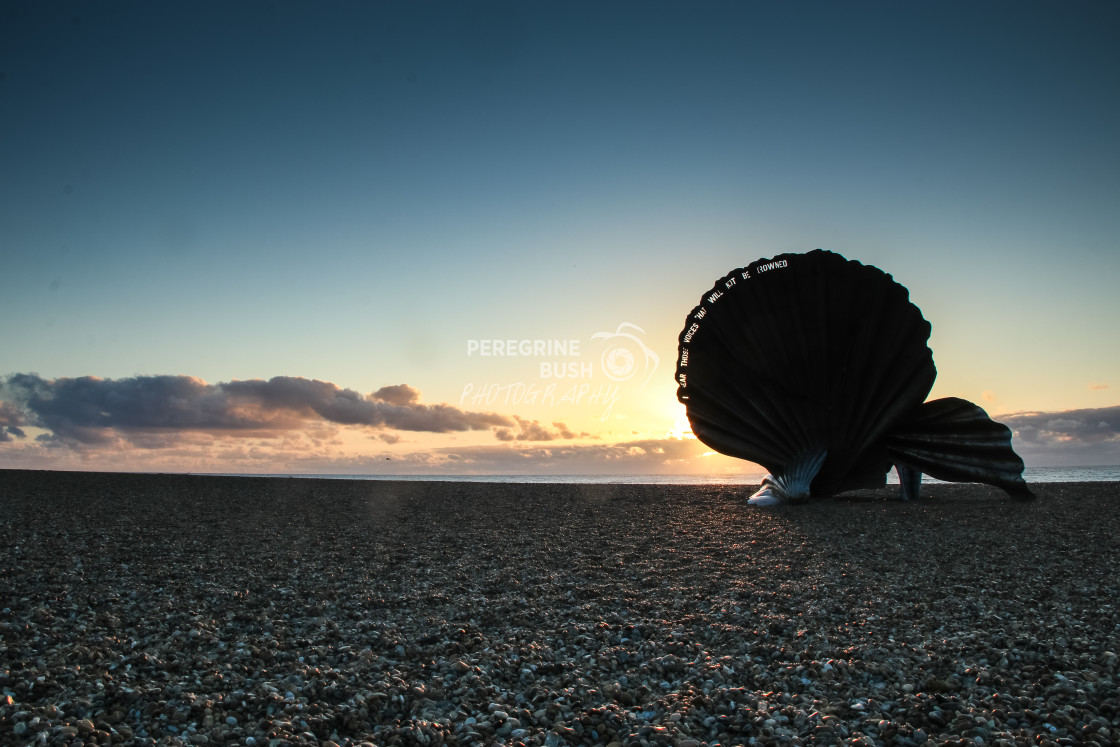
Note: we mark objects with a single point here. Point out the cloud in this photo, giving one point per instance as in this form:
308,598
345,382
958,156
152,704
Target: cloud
143,409
1098,386
1088,436
1092,425
10,421
399,394
532,430
10,415
566,432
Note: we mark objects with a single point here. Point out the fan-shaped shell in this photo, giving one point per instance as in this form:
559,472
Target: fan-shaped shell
809,364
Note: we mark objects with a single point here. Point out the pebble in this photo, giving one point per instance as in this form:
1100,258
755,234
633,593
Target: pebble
372,613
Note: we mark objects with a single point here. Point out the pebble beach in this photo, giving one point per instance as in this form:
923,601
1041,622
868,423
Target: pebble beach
177,609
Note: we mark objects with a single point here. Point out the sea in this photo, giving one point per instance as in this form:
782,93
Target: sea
1107,473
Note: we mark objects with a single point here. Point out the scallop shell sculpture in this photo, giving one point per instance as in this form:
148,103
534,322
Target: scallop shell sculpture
817,368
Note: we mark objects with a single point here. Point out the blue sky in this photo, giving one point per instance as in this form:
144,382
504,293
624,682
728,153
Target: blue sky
351,192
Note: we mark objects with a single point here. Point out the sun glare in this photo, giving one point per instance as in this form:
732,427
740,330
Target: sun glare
681,427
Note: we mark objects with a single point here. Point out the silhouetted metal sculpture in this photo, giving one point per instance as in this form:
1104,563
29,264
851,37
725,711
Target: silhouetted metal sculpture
817,368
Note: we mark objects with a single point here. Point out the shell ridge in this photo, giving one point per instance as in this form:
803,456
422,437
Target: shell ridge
728,441
912,372
954,439
883,351
894,404
792,273
778,449
777,329
887,389
792,484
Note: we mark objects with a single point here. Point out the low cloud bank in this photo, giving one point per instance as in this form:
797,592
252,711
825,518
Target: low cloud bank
295,419
1070,437
640,456
91,411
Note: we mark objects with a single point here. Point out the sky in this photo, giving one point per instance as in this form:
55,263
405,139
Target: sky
283,237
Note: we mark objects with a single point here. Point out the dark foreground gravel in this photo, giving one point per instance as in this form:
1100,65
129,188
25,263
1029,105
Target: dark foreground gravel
202,610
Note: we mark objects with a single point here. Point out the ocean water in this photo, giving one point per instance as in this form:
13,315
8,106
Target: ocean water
1108,473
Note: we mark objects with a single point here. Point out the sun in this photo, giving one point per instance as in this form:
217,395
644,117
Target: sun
681,427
